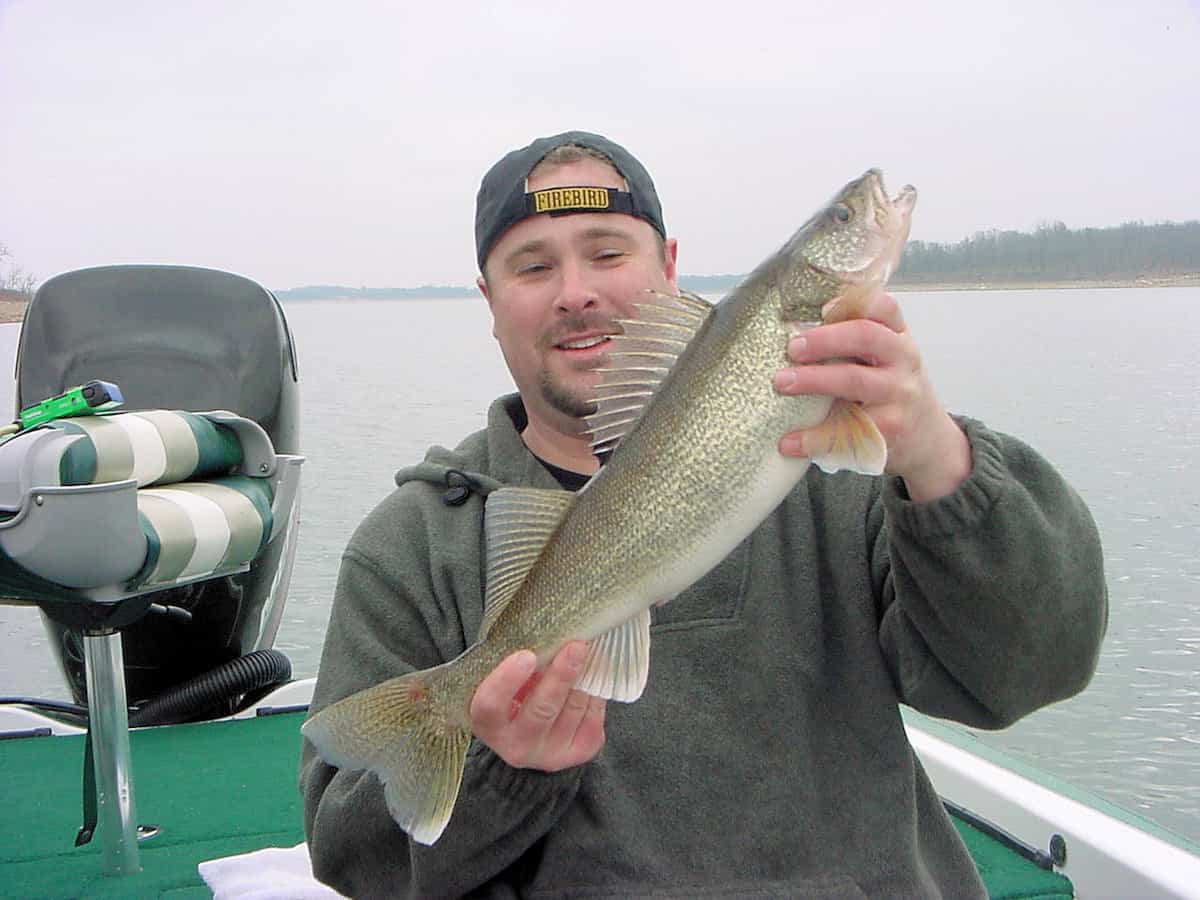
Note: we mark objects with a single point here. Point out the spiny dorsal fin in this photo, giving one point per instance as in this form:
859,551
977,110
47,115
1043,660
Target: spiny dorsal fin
640,359
517,522
618,661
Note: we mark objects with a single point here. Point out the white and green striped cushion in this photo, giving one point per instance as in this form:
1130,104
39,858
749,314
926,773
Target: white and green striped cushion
201,527
153,447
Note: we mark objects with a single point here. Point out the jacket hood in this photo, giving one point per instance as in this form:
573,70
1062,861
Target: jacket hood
484,461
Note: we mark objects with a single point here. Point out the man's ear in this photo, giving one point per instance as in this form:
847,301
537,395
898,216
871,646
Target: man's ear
670,263
481,283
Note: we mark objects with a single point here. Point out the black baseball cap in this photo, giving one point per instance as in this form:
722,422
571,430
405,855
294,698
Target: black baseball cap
502,201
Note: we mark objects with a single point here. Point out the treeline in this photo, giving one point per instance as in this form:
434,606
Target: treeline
1056,253
1053,252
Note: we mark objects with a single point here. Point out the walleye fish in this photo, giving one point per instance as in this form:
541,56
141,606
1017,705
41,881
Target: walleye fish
686,398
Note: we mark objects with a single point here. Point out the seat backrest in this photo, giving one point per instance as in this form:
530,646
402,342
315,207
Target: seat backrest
171,337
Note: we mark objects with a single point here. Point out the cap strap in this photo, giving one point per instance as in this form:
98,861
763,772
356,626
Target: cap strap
559,201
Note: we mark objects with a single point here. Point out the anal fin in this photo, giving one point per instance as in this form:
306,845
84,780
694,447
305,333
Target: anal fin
618,661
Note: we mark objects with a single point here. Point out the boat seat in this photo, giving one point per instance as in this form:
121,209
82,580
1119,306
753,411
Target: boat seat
98,510
157,541
172,338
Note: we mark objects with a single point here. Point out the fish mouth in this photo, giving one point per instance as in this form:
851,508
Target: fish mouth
902,204
894,217
904,201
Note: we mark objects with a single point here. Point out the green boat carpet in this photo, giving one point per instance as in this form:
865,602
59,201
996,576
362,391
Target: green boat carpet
214,789
223,788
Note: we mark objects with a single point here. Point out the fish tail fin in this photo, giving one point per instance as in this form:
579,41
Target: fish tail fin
405,731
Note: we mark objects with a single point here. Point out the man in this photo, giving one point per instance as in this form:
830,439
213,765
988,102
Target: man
767,755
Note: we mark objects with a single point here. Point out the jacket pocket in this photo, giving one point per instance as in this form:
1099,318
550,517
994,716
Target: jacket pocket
716,599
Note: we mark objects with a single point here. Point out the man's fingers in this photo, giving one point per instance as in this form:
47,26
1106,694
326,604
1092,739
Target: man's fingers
519,699
846,381
538,720
491,707
574,710
867,341
545,702
885,309
579,731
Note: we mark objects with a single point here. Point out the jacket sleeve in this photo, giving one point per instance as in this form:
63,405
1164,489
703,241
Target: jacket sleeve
397,608
994,602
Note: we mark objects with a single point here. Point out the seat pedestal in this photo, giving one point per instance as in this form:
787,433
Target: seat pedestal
109,723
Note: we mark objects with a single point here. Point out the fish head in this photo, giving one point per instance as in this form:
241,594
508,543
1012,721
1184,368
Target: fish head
854,242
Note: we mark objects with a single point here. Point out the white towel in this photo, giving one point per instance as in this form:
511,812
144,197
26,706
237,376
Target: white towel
273,873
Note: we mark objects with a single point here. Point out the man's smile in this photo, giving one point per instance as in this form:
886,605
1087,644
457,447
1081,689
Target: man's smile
583,343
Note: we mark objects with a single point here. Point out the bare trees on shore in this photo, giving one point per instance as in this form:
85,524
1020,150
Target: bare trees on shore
14,279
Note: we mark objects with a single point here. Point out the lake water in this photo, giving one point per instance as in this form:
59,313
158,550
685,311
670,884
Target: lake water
1106,383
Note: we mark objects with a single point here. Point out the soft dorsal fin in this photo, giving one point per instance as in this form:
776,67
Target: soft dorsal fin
640,360
517,522
618,661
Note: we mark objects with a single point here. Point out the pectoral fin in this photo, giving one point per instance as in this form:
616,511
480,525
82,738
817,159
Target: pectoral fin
851,303
847,439
618,661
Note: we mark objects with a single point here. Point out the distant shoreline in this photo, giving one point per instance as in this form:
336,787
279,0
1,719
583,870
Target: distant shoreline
1189,280
14,310
722,284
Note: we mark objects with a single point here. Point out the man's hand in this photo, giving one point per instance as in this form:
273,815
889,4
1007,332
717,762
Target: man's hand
539,721
875,362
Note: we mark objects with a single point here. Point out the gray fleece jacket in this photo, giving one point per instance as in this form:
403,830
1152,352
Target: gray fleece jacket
767,756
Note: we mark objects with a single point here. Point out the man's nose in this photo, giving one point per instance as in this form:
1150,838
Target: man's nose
577,289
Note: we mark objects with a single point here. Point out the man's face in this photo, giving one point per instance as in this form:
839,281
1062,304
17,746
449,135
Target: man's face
556,286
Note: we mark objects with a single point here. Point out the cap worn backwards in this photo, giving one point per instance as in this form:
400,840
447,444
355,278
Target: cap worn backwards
503,202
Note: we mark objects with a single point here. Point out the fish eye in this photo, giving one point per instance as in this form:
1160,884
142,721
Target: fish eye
841,213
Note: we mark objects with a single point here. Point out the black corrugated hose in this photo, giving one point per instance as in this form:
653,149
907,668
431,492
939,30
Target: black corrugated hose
222,685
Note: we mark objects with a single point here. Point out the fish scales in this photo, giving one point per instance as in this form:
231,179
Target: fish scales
720,418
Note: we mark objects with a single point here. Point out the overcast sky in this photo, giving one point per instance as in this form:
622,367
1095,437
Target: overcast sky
319,142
